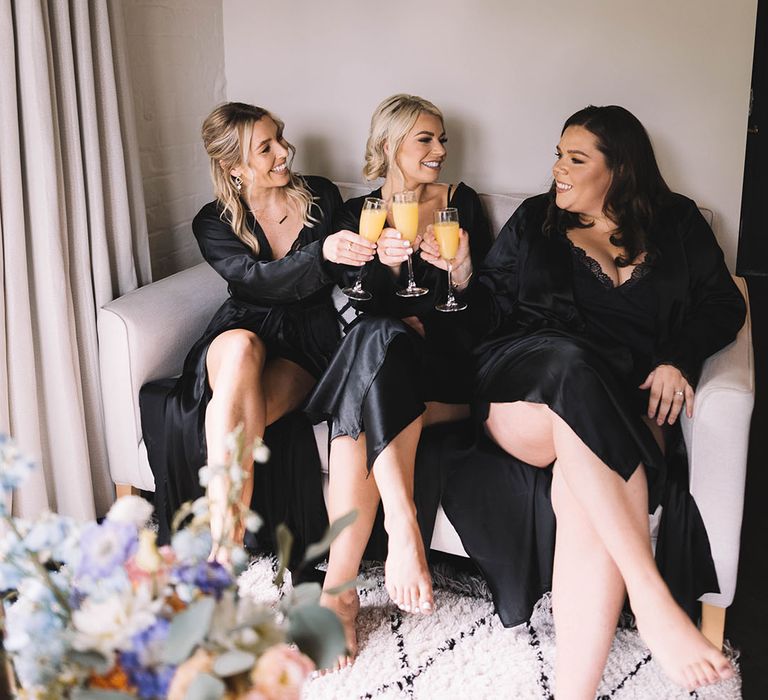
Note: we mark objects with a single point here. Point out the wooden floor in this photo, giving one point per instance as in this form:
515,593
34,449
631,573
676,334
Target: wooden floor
746,623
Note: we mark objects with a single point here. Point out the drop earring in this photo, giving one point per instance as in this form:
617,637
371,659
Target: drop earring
238,183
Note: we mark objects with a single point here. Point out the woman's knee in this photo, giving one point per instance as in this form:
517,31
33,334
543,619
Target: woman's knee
236,351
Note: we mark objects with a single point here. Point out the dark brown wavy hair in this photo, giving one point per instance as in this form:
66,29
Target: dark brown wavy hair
637,191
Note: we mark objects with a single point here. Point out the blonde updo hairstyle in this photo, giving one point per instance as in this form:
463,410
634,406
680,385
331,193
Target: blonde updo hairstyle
226,136
390,124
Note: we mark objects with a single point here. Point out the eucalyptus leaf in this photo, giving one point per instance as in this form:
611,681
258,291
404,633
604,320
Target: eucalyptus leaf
318,549
205,687
91,694
348,586
92,660
318,633
230,663
305,594
187,630
284,545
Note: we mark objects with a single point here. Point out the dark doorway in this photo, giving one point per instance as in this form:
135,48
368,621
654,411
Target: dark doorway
752,258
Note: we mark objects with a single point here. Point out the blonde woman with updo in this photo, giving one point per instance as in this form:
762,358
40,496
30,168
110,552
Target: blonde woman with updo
401,367
269,234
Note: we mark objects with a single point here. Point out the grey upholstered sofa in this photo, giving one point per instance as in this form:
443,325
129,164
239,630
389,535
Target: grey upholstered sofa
146,334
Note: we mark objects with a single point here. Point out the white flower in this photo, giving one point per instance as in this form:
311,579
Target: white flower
109,624
253,522
130,509
200,507
261,453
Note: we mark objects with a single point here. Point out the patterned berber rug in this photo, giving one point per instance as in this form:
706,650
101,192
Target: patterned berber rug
462,650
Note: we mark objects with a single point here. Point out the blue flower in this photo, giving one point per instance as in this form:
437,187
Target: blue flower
105,547
35,635
209,577
191,546
14,467
143,663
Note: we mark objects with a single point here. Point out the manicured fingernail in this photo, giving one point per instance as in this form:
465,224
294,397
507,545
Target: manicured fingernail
406,243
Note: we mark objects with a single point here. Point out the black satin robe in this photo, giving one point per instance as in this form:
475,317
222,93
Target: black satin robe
383,372
537,347
287,304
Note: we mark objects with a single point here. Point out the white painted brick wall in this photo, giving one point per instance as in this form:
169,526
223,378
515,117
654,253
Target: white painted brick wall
176,58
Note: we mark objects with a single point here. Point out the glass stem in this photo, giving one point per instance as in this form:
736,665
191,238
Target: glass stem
411,282
451,300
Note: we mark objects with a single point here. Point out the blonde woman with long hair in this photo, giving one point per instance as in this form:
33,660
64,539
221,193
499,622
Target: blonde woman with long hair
268,234
401,366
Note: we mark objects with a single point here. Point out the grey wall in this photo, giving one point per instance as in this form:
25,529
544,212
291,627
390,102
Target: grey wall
176,58
506,74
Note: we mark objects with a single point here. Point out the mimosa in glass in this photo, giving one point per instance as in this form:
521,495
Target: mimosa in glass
446,230
405,212
372,219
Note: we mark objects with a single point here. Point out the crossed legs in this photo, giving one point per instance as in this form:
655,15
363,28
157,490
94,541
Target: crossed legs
249,391
602,549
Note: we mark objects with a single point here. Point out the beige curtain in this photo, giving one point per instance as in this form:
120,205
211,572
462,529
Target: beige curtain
73,236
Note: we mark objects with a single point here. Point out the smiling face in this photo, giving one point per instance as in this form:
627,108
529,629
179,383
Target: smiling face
422,152
582,177
267,158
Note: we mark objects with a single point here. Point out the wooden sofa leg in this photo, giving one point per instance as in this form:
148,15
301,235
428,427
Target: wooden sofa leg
125,490
713,624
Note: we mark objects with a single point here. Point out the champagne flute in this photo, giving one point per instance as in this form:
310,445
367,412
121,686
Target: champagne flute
446,230
372,219
405,212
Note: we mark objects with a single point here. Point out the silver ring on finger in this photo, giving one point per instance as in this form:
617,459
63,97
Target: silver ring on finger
349,245
679,392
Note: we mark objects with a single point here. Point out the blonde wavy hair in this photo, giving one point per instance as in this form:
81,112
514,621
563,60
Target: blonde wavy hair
226,136
390,124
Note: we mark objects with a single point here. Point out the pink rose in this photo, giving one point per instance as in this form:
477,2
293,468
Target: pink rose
280,672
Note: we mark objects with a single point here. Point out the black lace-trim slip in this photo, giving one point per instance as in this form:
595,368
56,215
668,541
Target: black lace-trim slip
595,268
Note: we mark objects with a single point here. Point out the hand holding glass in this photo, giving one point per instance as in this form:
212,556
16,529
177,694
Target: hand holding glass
372,219
405,212
446,230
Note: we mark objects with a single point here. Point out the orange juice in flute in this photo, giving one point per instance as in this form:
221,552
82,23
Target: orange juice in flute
446,230
405,212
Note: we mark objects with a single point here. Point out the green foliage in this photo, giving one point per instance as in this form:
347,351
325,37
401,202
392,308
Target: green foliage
284,539
230,663
318,633
205,687
318,549
188,629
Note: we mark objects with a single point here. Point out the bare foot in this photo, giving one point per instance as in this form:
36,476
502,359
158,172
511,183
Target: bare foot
346,605
406,574
686,656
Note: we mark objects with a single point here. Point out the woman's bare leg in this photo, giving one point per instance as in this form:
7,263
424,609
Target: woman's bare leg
349,488
686,656
587,595
609,503
248,393
407,576
587,588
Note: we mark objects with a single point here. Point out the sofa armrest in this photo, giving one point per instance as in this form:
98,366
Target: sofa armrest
717,439
145,335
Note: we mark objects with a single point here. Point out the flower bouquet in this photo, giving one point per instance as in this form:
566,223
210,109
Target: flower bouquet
97,611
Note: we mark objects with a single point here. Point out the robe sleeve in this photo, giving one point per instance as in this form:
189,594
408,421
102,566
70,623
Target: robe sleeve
715,311
298,275
493,293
